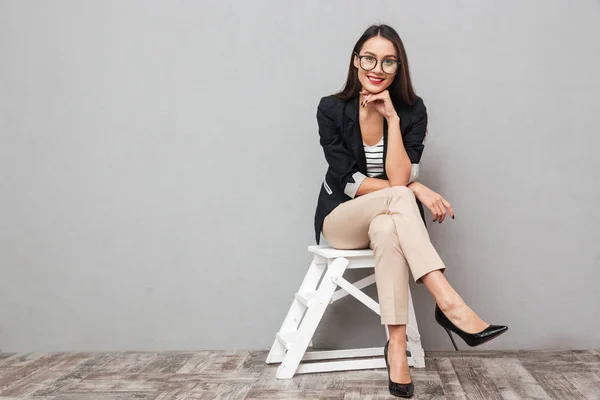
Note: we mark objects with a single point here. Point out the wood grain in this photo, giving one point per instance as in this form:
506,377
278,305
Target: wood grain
462,375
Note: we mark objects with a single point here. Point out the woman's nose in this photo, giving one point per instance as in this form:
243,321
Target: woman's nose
377,68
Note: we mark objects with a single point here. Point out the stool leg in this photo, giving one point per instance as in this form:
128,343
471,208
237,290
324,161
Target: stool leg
296,311
311,320
414,338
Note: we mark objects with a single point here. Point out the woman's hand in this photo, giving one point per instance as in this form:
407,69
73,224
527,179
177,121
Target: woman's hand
432,200
381,101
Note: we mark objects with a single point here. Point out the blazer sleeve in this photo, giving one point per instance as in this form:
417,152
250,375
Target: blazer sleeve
341,160
414,138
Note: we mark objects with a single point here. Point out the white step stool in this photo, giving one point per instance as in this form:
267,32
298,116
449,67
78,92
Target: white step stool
309,305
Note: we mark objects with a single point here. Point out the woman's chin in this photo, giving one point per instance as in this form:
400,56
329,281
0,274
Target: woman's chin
374,88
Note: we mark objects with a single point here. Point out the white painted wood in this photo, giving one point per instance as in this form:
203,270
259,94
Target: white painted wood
297,309
311,320
309,305
345,353
339,354
288,338
330,252
358,294
414,338
360,284
358,262
344,365
306,298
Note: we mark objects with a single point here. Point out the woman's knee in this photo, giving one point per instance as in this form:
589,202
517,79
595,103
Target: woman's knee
382,230
403,191
400,191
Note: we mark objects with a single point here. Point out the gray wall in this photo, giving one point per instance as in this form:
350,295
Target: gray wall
160,163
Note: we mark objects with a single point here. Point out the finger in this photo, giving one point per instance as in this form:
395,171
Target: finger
383,97
441,206
364,102
434,212
375,96
449,207
431,209
438,212
366,94
441,212
371,98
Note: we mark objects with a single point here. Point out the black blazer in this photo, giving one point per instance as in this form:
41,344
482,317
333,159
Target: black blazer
341,139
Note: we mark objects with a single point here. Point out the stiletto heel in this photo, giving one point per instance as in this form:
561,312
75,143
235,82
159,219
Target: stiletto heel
451,338
397,389
472,339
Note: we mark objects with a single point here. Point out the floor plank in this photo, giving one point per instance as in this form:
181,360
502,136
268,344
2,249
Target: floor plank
463,375
513,380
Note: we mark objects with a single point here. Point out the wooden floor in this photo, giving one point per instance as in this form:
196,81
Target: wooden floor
211,375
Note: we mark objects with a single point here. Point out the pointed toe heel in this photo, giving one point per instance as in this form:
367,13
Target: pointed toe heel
472,339
397,389
451,338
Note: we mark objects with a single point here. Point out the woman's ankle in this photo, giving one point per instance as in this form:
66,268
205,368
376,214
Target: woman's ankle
450,303
398,343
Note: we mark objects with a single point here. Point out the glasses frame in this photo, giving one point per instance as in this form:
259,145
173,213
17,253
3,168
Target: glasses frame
398,63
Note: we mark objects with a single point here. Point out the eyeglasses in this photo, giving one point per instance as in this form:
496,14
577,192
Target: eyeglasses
389,65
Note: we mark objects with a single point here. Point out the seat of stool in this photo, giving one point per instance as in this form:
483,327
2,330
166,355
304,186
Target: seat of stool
330,252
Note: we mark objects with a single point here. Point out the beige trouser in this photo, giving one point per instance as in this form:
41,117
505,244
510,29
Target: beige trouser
387,221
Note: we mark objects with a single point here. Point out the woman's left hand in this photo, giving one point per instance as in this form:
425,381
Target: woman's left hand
381,101
432,200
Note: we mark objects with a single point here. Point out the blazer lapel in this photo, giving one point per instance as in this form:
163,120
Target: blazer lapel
352,132
385,141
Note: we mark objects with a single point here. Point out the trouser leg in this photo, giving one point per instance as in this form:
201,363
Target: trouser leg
391,270
388,221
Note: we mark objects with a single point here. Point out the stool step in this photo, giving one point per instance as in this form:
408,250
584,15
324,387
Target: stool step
287,338
306,298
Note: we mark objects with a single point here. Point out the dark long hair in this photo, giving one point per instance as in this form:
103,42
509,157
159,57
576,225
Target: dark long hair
401,89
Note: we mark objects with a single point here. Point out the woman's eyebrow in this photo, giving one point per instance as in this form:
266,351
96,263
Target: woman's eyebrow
389,55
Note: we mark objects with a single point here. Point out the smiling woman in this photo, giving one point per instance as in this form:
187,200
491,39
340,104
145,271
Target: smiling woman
379,62
373,136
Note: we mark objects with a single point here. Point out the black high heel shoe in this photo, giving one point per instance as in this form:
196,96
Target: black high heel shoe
397,389
472,339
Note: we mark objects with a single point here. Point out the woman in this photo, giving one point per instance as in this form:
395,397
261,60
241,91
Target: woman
373,135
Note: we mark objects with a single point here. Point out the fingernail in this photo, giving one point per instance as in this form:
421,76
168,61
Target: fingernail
453,217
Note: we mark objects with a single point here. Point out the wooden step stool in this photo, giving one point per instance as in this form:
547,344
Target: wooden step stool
309,305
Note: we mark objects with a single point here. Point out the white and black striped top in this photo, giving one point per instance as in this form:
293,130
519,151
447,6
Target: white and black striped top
374,156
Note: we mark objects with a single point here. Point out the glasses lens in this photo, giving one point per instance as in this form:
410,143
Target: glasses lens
389,66
368,62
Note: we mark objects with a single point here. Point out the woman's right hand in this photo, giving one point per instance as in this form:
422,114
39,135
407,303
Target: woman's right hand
432,200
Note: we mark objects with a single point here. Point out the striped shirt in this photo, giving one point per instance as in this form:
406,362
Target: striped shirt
374,156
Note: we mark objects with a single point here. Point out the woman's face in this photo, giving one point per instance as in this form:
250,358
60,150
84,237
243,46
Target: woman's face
376,80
